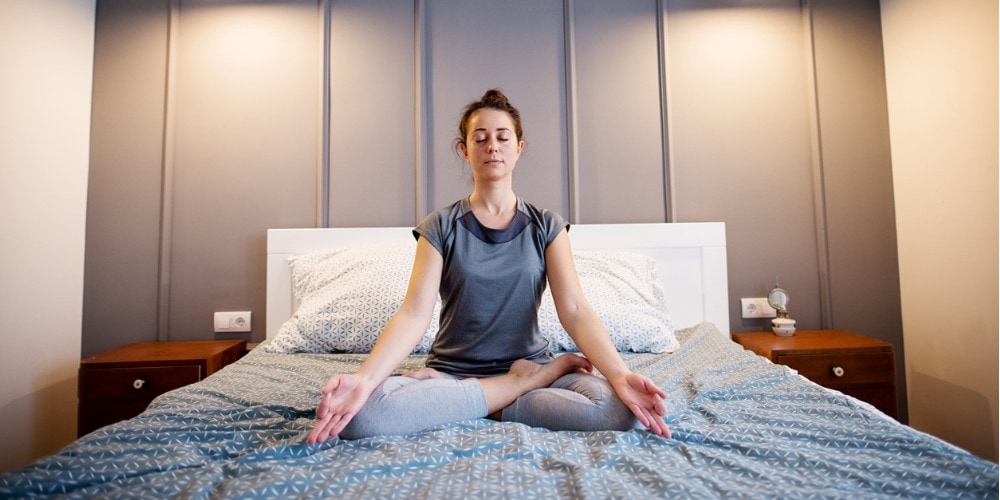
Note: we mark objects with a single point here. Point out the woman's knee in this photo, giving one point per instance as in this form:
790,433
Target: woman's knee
370,419
363,426
575,402
404,405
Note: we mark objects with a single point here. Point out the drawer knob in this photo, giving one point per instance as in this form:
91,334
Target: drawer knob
838,371
138,383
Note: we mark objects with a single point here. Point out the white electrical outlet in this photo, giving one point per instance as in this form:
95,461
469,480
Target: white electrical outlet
232,321
757,308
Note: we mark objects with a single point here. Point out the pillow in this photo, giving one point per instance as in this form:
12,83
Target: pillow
625,291
346,296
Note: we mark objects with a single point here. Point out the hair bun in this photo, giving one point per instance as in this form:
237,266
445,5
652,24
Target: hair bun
495,97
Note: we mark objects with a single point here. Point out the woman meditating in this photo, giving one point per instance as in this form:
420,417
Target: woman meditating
489,256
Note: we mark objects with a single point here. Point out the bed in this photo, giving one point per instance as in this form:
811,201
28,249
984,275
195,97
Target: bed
742,426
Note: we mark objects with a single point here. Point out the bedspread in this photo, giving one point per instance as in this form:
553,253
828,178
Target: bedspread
741,425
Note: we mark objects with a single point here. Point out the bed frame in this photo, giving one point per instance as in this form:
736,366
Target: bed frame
691,259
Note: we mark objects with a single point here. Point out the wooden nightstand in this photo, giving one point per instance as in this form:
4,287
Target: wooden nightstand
120,383
856,365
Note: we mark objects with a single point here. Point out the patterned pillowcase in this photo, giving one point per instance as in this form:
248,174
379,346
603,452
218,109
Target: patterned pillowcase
346,297
625,291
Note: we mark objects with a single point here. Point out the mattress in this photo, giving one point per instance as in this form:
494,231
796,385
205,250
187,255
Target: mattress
742,427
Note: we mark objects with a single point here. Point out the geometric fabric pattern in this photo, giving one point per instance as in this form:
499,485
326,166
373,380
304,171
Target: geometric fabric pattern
346,297
624,290
742,427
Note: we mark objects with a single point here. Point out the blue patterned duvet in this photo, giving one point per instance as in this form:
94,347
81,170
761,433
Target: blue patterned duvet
741,427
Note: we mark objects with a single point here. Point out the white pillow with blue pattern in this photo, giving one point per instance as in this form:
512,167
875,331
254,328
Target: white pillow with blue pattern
625,291
346,297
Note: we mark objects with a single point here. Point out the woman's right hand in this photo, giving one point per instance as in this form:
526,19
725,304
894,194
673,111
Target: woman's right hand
343,396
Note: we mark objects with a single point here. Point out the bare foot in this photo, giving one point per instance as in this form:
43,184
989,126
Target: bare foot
538,375
524,376
424,374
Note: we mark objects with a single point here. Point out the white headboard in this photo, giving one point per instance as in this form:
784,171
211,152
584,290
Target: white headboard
691,258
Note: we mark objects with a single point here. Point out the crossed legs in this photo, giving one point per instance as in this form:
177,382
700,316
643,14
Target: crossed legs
555,395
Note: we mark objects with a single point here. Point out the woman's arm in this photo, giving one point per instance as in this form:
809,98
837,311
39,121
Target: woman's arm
409,323
345,394
638,392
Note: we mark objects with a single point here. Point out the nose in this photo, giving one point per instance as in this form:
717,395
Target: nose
493,147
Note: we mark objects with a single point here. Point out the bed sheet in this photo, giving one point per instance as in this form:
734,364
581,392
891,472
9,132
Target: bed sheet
742,427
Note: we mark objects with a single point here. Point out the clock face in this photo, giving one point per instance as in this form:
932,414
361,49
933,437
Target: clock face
778,299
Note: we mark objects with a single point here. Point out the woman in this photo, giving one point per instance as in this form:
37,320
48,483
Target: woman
489,256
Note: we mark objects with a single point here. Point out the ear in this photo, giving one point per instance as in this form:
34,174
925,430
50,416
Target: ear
465,152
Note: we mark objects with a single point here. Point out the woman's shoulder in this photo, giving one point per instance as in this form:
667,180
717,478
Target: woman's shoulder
445,214
438,224
548,221
536,212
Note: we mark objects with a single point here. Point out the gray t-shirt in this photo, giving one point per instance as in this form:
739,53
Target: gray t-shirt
491,286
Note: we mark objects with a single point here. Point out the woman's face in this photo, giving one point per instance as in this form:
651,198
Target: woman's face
492,146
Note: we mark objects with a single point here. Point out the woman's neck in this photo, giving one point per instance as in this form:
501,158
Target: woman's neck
494,200
494,208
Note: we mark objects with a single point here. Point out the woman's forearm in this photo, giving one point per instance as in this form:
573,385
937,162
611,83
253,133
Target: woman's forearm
395,343
406,326
590,336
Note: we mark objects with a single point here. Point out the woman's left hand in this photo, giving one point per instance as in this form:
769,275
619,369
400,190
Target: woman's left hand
645,399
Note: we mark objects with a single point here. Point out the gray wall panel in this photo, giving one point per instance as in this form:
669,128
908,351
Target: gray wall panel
245,151
123,207
619,133
741,147
372,106
857,166
518,47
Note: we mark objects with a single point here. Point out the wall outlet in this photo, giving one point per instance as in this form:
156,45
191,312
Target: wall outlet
232,321
757,307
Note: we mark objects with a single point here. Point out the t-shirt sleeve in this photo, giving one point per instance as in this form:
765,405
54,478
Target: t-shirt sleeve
553,225
432,228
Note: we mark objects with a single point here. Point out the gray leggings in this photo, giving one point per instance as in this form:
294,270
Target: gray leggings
402,405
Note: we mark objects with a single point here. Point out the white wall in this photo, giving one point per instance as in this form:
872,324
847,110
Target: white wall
46,59
941,73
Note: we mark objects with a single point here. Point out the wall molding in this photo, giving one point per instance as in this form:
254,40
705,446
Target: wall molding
818,174
420,106
323,145
164,268
572,127
663,60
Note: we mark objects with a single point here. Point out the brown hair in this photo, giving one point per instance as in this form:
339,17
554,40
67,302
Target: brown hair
495,99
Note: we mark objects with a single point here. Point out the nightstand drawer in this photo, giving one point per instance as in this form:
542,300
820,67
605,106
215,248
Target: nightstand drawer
135,383
844,370
120,383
